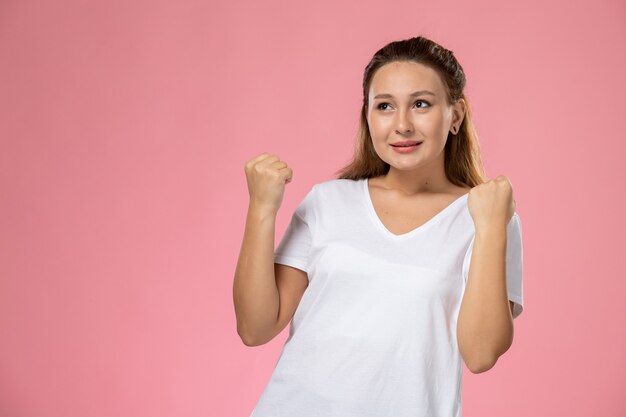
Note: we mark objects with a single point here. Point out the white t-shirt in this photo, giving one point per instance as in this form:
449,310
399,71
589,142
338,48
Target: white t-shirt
375,332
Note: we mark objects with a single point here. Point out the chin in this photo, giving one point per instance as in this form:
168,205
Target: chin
406,167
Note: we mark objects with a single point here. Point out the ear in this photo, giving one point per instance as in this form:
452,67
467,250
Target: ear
459,112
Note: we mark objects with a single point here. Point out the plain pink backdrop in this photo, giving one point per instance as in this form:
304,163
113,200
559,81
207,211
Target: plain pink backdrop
124,130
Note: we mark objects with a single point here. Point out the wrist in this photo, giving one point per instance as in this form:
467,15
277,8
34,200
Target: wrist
261,210
491,230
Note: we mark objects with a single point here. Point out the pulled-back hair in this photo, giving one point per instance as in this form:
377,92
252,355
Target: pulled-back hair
463,166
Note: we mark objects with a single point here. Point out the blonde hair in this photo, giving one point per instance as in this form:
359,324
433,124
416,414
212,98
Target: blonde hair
463,166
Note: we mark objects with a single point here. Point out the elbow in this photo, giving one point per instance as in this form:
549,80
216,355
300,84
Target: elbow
246,338
482,360
255,334
480,368
251,340
481,365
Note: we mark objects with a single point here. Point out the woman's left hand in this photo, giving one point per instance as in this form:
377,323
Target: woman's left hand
491,202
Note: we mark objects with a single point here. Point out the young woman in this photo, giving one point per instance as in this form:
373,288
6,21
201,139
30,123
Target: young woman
406,266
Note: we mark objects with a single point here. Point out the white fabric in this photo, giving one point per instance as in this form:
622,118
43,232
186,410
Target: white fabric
375,331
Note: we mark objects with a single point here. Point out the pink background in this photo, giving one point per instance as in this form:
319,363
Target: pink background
124,130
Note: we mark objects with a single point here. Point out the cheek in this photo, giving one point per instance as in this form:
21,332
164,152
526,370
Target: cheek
374,127
378,125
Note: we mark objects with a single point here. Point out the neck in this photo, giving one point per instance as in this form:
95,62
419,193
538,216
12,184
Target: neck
427,179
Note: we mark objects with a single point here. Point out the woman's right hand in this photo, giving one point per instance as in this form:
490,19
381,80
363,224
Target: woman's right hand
267,175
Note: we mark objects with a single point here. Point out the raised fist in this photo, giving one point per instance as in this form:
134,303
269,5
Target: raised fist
267,176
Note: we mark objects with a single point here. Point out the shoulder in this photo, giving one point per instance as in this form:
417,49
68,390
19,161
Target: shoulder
337,193
336,185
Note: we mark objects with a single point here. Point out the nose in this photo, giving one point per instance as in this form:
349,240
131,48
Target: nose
403,122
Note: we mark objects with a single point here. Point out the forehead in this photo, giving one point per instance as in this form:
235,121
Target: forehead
403,77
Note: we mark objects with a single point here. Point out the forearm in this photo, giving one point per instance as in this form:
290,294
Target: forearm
255,293
485,324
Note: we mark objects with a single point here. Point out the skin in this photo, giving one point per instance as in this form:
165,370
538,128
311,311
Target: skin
265,294
416,188
404,118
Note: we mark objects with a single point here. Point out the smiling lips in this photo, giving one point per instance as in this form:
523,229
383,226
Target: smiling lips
406,143
406,146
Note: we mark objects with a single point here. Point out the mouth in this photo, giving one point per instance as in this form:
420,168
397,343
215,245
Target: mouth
406,147
406,144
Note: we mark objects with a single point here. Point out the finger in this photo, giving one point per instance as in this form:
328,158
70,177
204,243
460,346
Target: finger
279,165
269,159
252,162
260,157
286,174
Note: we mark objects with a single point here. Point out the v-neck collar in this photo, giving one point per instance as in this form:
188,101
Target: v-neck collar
382,228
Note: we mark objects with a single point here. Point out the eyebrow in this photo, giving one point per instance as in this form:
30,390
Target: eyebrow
413,94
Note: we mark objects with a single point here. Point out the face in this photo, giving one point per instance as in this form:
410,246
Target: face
395,114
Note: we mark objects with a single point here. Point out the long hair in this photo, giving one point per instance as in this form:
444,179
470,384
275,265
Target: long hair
463,166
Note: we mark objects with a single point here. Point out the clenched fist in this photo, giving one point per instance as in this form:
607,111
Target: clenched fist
492,202
267,175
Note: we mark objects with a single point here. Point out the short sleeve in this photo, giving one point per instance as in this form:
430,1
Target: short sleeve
295,245
514,264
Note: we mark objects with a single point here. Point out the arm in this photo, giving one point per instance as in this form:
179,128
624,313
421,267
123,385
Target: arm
265,294
255,293
485,323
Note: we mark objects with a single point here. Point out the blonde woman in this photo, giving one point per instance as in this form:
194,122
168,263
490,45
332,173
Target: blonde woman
396,273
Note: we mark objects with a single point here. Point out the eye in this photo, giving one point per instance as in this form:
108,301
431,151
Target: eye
379,107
